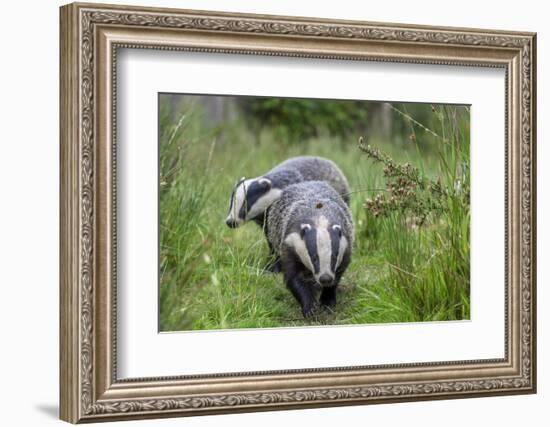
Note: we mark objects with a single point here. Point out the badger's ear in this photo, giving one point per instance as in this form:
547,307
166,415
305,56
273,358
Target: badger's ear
338,229
303,229
265,182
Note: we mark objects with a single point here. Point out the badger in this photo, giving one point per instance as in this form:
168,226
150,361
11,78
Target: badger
311,230
251,197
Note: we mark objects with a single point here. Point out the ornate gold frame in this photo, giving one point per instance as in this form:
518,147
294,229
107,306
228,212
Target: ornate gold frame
90,36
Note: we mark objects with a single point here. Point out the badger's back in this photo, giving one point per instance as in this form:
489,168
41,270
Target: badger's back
303,202
312,168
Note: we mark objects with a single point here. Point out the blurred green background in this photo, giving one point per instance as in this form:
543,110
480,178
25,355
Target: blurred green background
410,205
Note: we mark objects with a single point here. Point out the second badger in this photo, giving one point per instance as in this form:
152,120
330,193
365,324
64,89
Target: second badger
311,231
251,197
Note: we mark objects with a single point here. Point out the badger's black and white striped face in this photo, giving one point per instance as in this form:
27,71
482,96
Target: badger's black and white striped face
250,199
320,247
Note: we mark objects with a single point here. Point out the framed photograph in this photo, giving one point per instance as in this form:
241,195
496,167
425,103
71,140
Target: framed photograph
265,212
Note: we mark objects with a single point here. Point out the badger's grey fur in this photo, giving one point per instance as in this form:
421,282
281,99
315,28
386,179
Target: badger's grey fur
251,197
310,228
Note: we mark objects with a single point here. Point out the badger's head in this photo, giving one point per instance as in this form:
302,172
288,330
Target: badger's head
320,246
250,199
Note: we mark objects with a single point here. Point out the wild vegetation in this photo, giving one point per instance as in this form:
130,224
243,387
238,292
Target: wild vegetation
410,205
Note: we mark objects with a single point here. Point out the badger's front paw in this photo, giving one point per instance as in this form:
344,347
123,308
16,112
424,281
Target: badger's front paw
274,267
308,311
328,297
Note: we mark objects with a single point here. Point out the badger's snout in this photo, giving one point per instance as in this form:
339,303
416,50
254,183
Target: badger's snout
326,280
231,223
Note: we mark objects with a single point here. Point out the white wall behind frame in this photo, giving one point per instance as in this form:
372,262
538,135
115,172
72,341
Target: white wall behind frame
29,171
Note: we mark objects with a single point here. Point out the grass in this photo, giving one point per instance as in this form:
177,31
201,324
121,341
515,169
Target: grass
212,277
